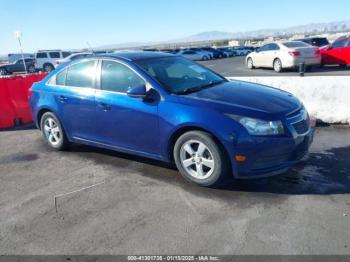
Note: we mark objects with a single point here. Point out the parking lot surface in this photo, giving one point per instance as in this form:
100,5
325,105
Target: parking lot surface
236,66
145,207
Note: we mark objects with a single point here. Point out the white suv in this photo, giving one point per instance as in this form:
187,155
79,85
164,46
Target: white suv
46,59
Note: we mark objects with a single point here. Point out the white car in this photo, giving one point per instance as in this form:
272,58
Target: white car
72,57
46,59
283,55
195,55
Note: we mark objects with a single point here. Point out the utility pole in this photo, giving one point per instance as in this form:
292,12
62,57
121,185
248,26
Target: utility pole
18,35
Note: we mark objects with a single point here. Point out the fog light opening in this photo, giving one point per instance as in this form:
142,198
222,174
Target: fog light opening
240,158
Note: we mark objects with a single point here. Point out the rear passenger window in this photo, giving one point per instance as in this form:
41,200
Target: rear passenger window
61,78
81,74
117,77
54,54
41,55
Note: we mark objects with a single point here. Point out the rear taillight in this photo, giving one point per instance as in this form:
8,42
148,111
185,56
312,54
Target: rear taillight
294,53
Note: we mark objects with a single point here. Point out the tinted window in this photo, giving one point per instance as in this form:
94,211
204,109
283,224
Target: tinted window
295,44
179,75
65,54
263,48
274,47
55,54
340,43
319,41
61,78
117,77
41,55
81,74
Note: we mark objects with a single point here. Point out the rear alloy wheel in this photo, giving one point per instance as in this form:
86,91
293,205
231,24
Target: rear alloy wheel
48,68
205,58
277,65
250,63
31,69
199,159
53,132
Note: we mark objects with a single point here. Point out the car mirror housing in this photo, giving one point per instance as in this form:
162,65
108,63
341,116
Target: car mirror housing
137,91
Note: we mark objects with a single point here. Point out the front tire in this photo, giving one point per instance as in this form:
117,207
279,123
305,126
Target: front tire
48,68
277,65
53,131
200,159
3,72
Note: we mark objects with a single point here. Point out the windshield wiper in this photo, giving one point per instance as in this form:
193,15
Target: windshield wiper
198,88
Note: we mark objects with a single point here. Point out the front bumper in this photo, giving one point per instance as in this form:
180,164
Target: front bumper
267,156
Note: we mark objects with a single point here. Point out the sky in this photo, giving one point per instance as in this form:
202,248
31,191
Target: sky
67,24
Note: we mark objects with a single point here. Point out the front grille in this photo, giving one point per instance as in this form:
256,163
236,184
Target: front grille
301,127
293,114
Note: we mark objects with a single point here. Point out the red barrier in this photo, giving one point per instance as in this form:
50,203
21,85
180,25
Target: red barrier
7,112
14,99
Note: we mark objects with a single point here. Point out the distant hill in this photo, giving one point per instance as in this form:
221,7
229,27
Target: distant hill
314,28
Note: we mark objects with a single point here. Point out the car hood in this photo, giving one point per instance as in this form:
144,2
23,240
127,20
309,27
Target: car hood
238,97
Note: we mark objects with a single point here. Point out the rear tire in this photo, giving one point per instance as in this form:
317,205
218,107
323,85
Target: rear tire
205,58
277,65
200,159
31,69
53,131
250,63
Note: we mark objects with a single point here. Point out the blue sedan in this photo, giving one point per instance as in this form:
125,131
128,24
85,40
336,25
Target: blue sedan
165,107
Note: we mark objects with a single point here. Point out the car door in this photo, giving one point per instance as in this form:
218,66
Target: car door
259,58
18,66
337,52
123,121
74,95
269,54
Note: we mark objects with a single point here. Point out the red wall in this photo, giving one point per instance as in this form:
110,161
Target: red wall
14,98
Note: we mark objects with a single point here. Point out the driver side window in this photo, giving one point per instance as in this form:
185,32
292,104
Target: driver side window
340,43
117,77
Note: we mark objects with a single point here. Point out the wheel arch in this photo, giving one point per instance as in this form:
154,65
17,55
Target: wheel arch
184,129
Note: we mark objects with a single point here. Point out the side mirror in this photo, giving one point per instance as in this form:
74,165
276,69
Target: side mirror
136,91
330,47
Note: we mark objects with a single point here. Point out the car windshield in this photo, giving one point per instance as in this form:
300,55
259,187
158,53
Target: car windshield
295,44
178,75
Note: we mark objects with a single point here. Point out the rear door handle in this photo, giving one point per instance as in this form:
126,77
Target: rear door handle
104,106
62,99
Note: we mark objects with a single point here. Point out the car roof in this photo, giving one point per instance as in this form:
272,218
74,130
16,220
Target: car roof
136,55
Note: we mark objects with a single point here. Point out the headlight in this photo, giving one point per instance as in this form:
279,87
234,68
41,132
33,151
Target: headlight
259,127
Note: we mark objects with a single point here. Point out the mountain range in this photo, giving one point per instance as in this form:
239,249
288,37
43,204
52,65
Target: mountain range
314,28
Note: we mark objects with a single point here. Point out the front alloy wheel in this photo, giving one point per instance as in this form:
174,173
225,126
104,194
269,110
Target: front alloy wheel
197,159
200,159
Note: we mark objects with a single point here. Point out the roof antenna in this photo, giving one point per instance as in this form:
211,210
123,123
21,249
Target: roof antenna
89,46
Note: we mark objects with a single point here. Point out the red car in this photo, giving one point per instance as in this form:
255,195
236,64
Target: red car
337,53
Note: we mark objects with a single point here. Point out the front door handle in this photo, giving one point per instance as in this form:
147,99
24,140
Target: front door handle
104,106
62,99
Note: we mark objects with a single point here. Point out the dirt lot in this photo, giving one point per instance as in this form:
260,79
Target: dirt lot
143,207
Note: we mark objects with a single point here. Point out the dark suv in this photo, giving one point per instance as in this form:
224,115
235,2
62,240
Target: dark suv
315,41
18,66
